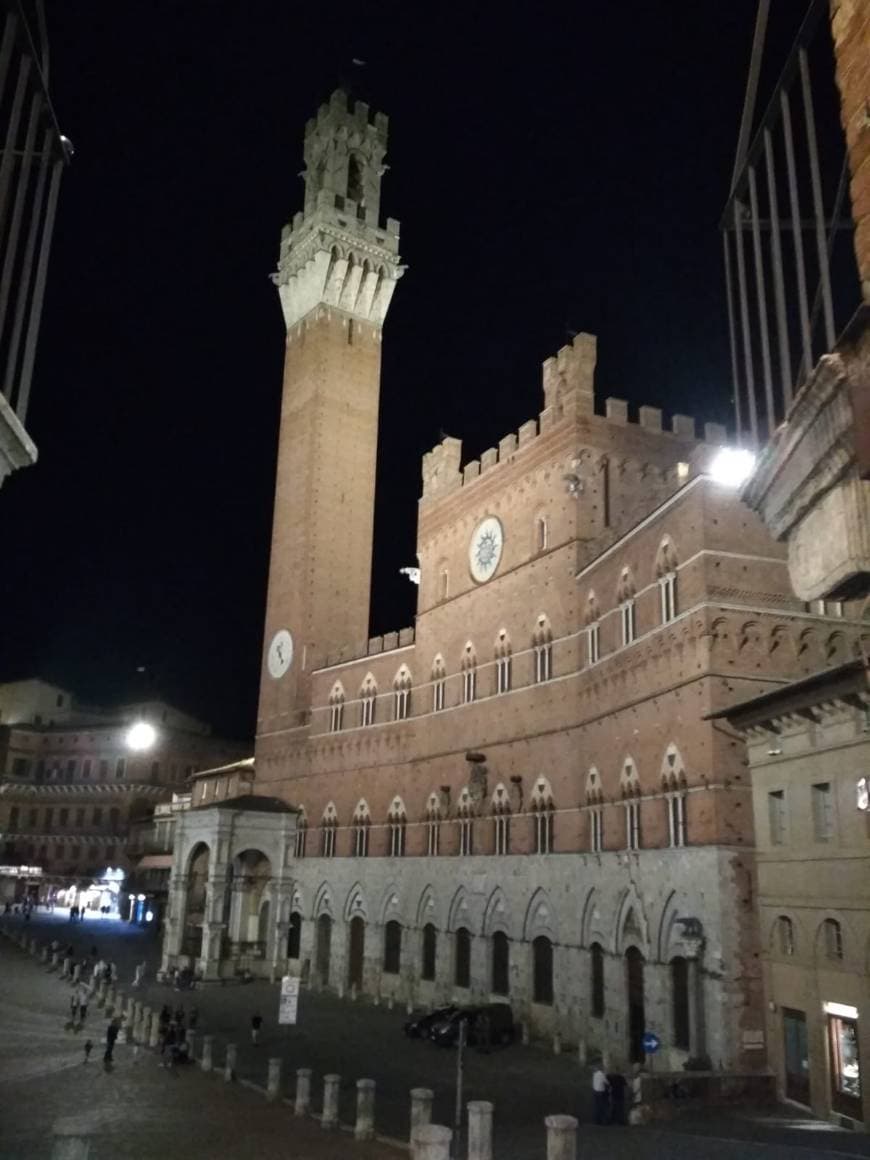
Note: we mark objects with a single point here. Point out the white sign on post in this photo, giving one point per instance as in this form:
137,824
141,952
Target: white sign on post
289,1002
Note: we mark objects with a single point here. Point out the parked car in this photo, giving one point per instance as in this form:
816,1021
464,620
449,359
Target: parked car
421,1025
486,1026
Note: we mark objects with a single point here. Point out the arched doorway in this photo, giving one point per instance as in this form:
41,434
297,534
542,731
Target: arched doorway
323,949
634,964
194,902
356,951
294,936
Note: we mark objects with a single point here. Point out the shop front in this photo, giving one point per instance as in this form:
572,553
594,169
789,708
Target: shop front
844,1059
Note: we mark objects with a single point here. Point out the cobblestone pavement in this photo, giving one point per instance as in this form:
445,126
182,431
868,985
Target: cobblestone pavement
359,1040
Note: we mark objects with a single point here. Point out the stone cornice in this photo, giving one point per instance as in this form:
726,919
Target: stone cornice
12,788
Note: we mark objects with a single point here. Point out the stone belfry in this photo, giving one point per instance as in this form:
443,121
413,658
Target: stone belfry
337,270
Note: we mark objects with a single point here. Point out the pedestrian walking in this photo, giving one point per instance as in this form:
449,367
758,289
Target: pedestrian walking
599,1094
73,1006
138,974
89,1047
84,998
179,1015
617,1084
112,1031
165,1016
256,1024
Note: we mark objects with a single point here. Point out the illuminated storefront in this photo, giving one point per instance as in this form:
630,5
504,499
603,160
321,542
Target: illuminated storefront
844,1059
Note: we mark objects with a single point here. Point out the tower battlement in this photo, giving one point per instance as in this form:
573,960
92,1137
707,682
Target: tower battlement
568,384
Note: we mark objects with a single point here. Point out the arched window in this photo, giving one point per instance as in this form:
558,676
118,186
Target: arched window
301,836
462,958
503,663
542,955
443,584
397,822
392,947
785,936
542,534
430,947
832,939
501,816
402,693
361,826
593,633
500,981
439,684
627,613
354,179
674,787
433,825
680,1002
596,979
666,575
336,707
328,827
543,816
469,674
629,783
294,935
368,696
595,810
542,643
465,810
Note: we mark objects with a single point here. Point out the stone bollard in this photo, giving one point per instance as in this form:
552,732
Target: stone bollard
365,1110
329,1118
207,1047
303,1091
409,1008
421,1107
190,1040
138,1021
557,1043
111,999
230,1062
479,1130
32,948
524,1031
77,973
55,960
154,1033
101,993
431,1142
273,1080
561,1137
582,1052
43,956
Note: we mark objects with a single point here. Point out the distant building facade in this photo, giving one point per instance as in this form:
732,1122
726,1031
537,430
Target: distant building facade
32,160
71,787
519,797
809,757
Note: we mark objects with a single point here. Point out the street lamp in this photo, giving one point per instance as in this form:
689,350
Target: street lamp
141,736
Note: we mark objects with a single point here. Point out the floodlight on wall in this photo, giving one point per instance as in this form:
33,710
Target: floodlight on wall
141,736
732,466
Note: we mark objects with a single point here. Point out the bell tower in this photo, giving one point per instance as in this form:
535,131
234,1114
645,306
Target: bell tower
337,269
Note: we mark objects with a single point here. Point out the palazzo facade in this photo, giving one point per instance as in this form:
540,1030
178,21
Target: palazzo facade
523,796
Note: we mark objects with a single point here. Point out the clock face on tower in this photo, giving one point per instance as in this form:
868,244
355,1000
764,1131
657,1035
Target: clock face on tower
484,551
280,656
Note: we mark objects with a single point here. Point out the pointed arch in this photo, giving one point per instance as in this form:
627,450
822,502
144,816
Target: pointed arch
666,558
629,778
323,903
402,693
439,683
542,644
336,707
626,587
540,918
468,666
496,914
356,903
591,921
428,909
592,612
361,822
503,661
390,907
631,928
459,912
368,697
397,825
594,788
500,808
673,770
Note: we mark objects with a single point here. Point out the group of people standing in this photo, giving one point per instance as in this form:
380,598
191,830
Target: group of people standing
173,1028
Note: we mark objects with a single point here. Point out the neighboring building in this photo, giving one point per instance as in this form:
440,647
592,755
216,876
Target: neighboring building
149,847
519,797
31,163
797,249
809,757
70,786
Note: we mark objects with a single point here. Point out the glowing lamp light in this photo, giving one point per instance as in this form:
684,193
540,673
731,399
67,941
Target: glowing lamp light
141,736
732,466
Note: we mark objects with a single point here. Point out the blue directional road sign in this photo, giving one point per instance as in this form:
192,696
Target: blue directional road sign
650,1042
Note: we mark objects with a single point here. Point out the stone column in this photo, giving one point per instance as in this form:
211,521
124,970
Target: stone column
365,1109
230,1062
273,1082
431,1142
561,1137
331,1084
210,957
697,1021
206,1062
303,1091
279,949
421,1107
479,1130
154,1036
174,935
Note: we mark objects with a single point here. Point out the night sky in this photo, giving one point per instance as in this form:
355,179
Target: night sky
553,169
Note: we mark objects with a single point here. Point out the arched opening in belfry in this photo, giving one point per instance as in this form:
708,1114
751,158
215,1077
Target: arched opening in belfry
194,901
354,180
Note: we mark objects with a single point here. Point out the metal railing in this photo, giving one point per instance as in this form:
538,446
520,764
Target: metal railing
790,271
34,153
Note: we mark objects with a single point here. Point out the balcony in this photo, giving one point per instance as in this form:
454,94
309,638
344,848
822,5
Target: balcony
798,322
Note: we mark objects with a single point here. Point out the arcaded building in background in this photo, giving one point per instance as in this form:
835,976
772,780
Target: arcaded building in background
521,796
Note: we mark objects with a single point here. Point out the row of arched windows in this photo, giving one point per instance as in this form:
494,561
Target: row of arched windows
829,938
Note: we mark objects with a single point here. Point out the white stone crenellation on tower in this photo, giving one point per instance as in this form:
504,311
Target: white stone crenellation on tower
335,252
